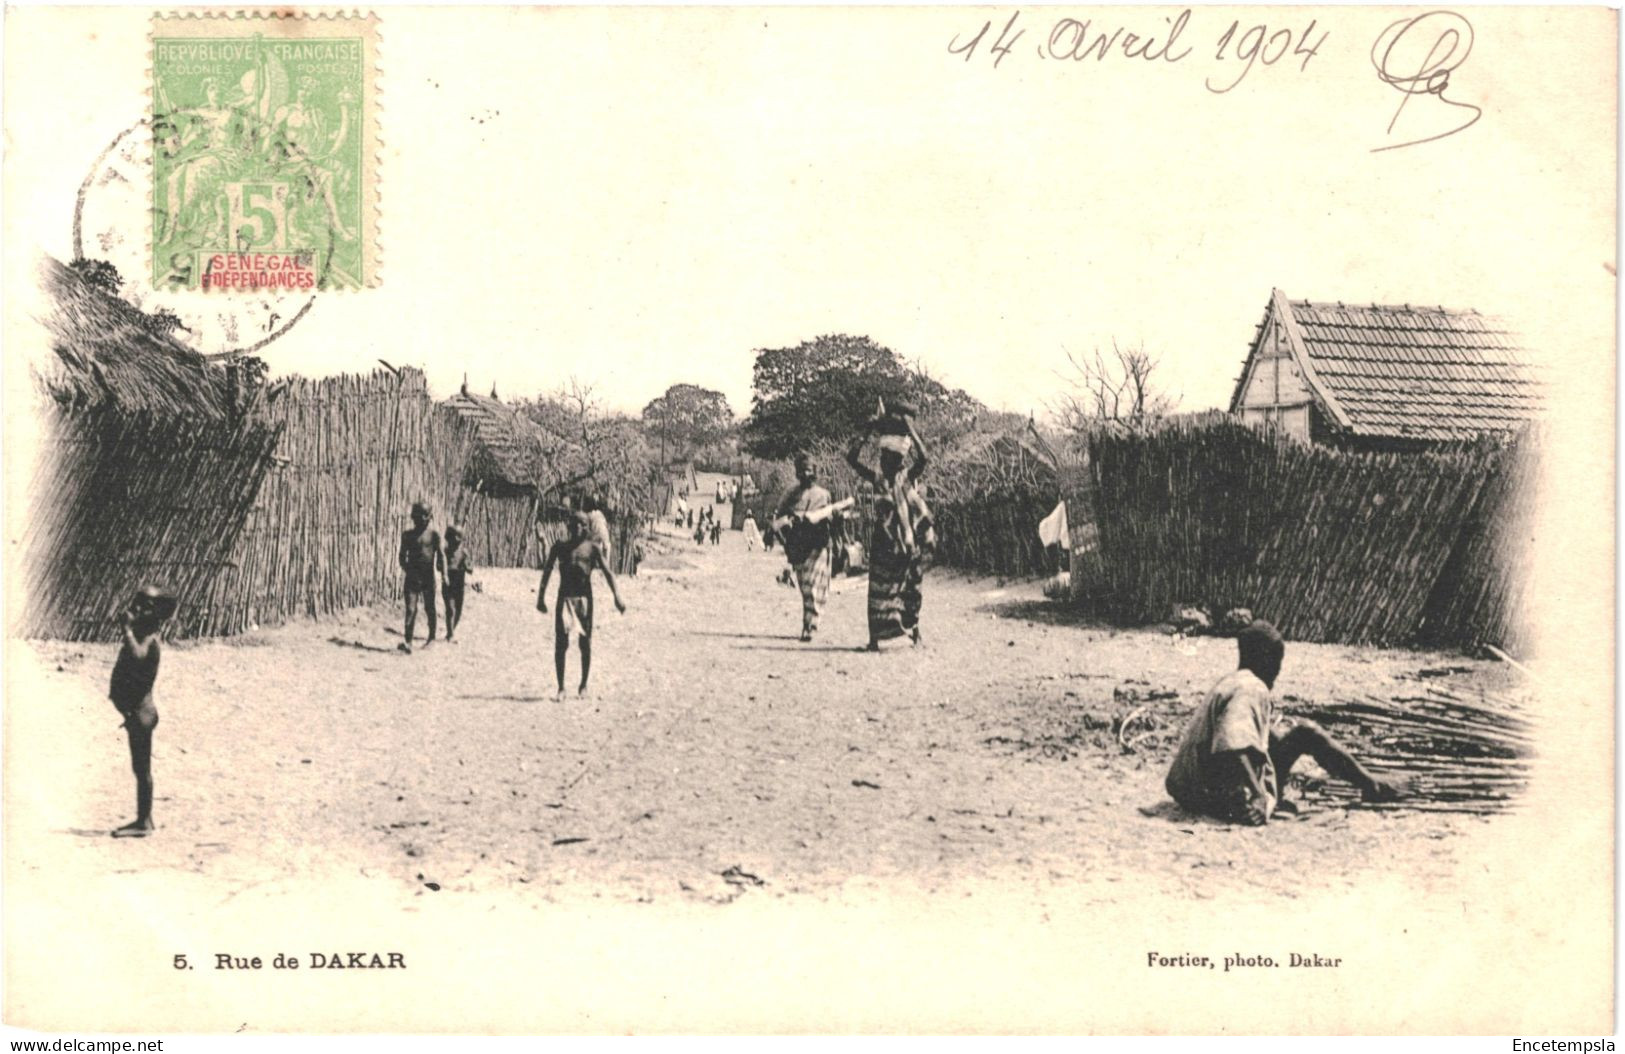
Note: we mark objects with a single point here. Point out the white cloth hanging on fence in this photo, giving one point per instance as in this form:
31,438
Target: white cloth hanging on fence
1052,529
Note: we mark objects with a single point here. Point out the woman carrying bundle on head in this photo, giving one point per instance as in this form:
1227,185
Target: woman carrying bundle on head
903,529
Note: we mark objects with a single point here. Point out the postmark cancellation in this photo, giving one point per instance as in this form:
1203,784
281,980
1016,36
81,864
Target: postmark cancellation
265,152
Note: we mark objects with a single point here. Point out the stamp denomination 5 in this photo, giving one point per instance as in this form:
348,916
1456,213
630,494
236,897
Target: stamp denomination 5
264,142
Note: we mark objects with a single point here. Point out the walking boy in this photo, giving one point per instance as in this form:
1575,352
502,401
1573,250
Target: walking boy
576,557
135,671
458,566
421,557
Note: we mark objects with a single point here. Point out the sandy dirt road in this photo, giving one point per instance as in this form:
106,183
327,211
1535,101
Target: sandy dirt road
716,756
733,831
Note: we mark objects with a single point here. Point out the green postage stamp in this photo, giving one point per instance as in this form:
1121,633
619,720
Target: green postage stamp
264,131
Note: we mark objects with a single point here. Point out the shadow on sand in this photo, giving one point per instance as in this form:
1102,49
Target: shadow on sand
359,646
846,648
1048,612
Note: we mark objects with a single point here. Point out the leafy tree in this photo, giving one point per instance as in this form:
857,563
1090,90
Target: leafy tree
823,390
688,417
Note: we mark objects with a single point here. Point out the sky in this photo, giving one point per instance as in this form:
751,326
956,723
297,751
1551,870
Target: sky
641,197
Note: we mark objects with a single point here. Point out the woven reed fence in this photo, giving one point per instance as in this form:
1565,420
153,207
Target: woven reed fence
996,533
122,500
1482,593
1330,546
295,507
353,454
498,530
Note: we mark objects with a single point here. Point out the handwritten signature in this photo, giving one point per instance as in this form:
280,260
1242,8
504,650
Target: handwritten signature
1443,39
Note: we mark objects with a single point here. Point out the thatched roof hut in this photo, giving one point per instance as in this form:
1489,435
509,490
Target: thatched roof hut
110,353
991,460
504,460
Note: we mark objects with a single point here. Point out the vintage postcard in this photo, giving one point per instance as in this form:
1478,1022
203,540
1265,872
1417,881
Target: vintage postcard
809,520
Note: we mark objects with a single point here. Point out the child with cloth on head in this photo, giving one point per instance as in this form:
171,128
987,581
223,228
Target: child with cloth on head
135,672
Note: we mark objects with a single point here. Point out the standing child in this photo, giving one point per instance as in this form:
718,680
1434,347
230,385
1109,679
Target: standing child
458,566
576,557
134,674
421,557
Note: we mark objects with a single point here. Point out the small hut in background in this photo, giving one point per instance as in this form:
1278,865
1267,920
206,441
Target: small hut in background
1385,378
499,502
989,491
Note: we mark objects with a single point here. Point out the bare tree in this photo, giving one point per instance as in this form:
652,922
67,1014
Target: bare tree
1113,389
579,444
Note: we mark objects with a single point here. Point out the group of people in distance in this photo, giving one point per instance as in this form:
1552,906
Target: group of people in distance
708,527
902,536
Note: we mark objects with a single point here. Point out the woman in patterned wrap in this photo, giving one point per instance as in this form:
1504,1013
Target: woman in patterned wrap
903,530
806,544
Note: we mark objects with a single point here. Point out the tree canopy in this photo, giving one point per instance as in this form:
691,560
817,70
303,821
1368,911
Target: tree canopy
688,417
823,390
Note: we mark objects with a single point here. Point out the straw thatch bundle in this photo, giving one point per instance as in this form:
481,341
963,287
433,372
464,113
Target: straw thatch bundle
110,353
1459,752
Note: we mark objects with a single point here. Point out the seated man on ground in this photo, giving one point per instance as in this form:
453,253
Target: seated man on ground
1234,757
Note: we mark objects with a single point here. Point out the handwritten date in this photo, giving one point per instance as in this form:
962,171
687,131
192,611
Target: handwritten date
1072,40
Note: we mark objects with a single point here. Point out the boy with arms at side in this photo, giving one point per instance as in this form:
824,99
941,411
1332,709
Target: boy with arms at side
576,557
421,556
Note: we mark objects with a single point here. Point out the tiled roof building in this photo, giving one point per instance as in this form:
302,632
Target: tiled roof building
1385,377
